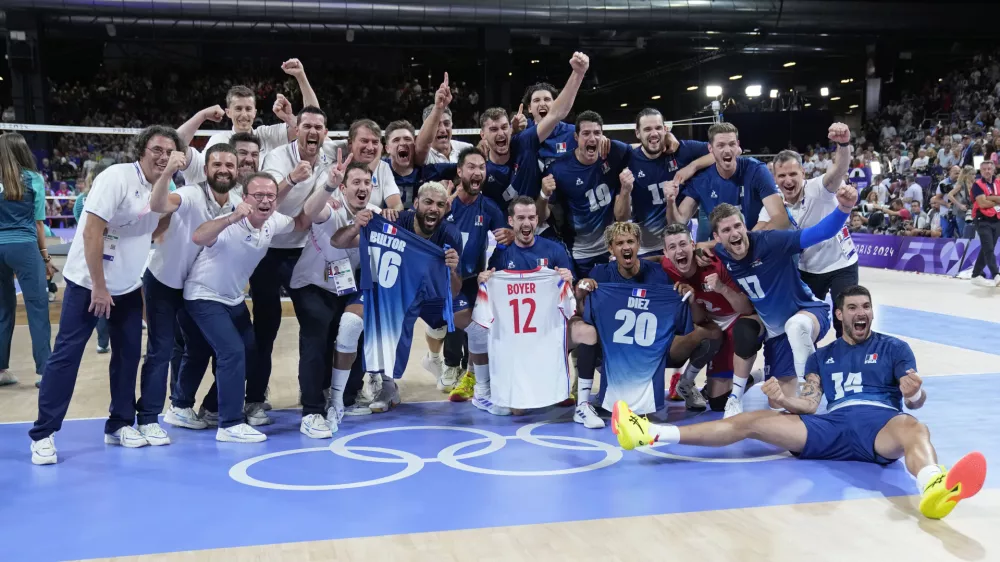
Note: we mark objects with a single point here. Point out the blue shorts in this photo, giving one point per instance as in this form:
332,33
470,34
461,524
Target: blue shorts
467,295
846,434
583,267
357,297
778,358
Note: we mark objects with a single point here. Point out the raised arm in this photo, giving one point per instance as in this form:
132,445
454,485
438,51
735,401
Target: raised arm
623,201
160,198
564,103
682,213
187,131
832,223
425,138
208,232
282,109
834,176
295,69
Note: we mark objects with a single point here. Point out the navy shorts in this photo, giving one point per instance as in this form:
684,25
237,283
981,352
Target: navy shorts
778,358
467,295
584,266
846,434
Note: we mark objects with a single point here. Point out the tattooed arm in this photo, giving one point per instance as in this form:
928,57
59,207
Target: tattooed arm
806,402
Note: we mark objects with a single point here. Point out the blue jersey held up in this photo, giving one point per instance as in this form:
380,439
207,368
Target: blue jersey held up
587,192
543,253
648,208
866,373
746,189
474,222
400,272
636,325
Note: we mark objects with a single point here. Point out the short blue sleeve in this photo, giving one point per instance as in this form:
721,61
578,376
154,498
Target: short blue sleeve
618,156
976,191
902,359
689,151
692,188
762,183
600,273
496,216
812,365
526,140
438,172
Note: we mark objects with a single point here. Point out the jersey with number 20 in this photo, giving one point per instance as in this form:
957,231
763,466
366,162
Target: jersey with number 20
525,313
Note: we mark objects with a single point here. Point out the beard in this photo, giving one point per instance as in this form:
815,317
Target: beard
220,185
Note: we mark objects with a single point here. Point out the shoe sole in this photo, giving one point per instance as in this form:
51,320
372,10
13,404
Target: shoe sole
157,441
259,422
8,382
459,398
616,416
964,480
40,460
109,440
312,435
178,422
226,439
380,409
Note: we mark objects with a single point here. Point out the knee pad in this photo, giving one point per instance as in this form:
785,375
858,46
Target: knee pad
718,404
437,333
799,325
478,339
746,338
351,326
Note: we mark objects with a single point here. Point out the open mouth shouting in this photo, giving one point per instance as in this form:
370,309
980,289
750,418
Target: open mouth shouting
543,110
526,232
654,144
501,145
628,258
682,260
860,325
430,221
590,149
403,155
313,142
738,244
474,184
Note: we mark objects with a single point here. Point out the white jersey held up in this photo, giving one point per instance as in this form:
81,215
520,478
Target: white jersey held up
525,313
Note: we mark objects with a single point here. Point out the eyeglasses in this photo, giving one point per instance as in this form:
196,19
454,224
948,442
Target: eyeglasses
158,151
264,196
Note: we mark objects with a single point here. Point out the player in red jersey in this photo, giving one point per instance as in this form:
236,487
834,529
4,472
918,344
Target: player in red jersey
725,304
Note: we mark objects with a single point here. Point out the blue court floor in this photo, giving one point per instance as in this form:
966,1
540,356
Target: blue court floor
422,467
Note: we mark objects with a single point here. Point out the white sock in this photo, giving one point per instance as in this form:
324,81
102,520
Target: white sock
739,387
583,387
757,375
925,475
435,356
691,372
798,328
337,386
668,434
482,373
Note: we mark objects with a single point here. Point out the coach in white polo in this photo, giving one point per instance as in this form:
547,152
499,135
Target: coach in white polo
213,295
434,144
103,275
831,266
364,144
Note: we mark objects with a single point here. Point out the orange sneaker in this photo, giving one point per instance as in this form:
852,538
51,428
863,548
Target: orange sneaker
672,394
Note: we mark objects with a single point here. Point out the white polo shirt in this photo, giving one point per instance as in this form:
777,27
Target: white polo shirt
383,180
120,196
221,271
311,267
271,137
173,257
816,203
279,163
435,157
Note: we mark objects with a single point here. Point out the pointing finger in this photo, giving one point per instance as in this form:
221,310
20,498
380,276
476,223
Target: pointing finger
445,78
520,110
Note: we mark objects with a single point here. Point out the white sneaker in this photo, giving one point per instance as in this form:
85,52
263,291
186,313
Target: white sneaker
587,415
997,279
334,415
370,388
434,366
184,417
982,281
734,407
7,378
103,350
485,404
154,434
449,379
357,409
126,437
254,411
43,451
387,398
241,433
52,297
315,426
693,399
211,419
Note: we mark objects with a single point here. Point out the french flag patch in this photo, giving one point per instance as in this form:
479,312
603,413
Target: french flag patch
388,229
543,262
641,293
560,147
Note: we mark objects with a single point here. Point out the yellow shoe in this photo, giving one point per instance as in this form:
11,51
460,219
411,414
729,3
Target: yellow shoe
963,481
464,389
632,431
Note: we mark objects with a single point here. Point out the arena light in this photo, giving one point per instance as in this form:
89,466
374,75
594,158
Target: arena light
713,91
824,92
624,105
510,74
754,90
789,64
847,80
835,98
692,88
534,61
350,35
854,106
656,97
736,77
807,105
774,94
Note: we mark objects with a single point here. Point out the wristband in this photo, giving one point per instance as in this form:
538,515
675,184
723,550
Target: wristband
543,196
291,183
918,396
329,188
844,144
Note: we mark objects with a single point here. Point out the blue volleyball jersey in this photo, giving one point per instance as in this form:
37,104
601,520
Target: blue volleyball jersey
636,325
648,208
866,373
474,222
409,184
445,234
770,278
650,273
543,253
561,142
746,189
587,191
526,166
400,272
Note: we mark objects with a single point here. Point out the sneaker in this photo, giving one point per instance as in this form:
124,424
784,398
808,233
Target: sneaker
997,279
211,419
632,431
315,426
267,399
7,378
587,415
43,451
154,434
672,394
464,390
241,433
693,399
256,415
982,281
334,415
370,388
38,381
358,409
449,379
387,398
734,407
126,437
433,365
52,298
184,417
963,481
484,404
103,350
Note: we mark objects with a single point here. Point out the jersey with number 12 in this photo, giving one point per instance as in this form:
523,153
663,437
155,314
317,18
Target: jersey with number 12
525,313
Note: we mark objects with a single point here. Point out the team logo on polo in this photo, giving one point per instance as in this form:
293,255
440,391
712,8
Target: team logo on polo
579,181
641,174
871,359
714,195
479,220
672,167
830,361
